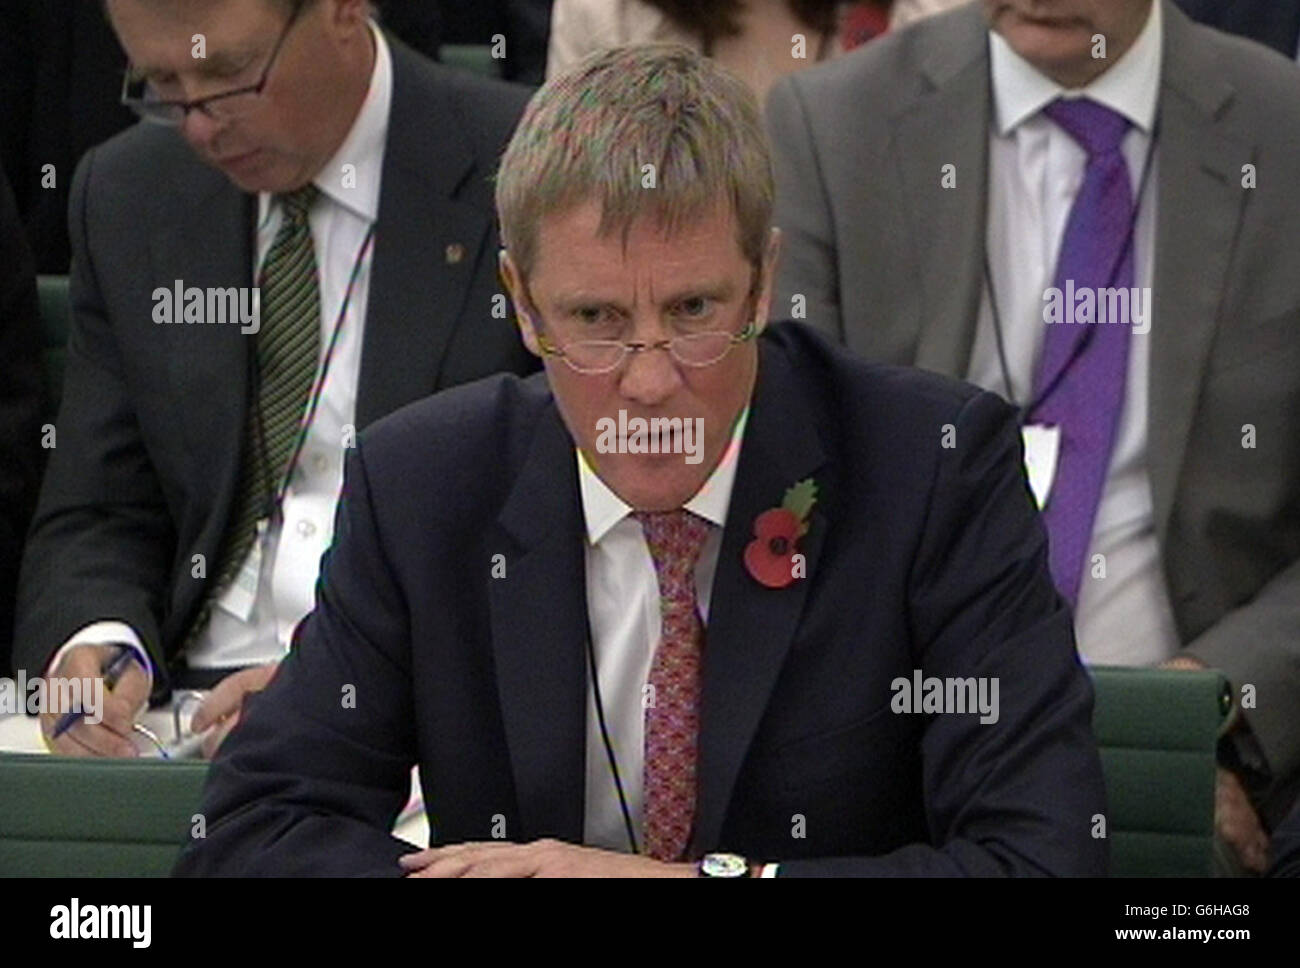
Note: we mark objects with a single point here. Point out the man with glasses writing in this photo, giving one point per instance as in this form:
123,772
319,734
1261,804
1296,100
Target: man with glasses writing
607,659
301,243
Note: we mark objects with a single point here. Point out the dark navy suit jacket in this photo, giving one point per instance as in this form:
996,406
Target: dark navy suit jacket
919,556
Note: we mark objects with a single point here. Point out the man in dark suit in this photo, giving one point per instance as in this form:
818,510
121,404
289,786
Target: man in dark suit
1272,22
937,189
61,74
204,422
525,571
20,407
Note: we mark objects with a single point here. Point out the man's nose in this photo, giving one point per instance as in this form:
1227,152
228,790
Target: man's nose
200,130
650,376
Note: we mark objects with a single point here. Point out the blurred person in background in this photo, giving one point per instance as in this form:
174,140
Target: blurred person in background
320,170
943,188
753,38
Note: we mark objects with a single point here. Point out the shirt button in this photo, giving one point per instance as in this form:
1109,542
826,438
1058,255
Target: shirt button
306,528
320,463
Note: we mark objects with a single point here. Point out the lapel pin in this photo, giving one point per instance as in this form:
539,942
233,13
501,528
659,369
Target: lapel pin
773,557
455,252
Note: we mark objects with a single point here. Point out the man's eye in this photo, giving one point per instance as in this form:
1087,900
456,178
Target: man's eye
232,69
589,316
696,307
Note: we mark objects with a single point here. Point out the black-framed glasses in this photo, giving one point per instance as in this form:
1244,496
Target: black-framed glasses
696,350
228,105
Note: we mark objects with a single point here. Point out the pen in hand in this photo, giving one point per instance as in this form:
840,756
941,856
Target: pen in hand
112,672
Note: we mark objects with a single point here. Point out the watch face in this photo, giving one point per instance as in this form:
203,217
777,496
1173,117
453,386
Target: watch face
724,865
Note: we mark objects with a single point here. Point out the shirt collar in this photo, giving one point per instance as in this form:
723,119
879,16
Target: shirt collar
602,508
1130,87
363,148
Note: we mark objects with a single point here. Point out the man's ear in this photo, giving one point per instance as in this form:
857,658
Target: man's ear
523,312
763,306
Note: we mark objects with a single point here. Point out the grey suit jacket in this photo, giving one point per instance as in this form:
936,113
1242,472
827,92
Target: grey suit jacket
889,262
149,435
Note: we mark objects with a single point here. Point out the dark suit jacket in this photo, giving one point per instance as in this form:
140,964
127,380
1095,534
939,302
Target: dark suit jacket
891,264
150,428
918,557
20,407
1272,22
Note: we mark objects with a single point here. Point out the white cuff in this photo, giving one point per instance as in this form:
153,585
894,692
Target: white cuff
769,870
105,633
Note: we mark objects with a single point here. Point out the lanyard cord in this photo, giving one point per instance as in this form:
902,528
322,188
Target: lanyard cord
609,747
1082,344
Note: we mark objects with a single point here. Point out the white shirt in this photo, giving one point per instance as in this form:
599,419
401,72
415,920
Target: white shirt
623,608
1036,169
292,545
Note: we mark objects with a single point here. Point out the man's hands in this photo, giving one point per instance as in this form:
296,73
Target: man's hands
112,736
1237,823
1235,819
225,703
541,858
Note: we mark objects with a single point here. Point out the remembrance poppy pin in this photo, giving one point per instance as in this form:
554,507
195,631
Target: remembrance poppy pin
773,558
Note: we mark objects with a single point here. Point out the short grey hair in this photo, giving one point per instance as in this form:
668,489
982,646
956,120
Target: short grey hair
586,136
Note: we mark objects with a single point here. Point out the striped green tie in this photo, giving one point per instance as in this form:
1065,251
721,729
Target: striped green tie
288,350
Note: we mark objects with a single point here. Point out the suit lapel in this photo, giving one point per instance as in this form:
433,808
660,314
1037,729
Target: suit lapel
1198,160
948,125
427,245
751,626
211,362
539,629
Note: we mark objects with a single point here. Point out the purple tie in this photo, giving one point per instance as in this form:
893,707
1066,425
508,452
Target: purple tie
1080,387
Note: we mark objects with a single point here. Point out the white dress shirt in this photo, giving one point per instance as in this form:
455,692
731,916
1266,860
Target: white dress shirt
293,543
623,609
1035,171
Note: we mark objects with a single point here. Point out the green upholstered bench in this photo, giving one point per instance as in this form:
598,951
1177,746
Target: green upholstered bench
470,57
1158,729
71,817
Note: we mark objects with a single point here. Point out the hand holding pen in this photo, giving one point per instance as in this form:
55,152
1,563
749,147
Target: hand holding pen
125,694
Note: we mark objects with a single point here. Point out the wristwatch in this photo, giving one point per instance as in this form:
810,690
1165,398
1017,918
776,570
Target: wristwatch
724,865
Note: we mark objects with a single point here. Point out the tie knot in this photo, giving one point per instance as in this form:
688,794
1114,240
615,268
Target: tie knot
675,539
298,202
1096,127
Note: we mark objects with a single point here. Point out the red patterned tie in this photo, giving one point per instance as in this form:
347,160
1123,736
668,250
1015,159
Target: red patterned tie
672,711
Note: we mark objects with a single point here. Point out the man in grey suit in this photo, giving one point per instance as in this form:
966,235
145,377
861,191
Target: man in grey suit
309,246
942,191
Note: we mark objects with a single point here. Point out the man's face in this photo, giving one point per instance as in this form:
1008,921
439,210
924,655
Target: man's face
313,91
656,288
1056,36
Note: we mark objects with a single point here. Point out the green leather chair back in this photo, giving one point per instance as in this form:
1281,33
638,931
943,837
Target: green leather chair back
56,321
1158,729
470,57
70,817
